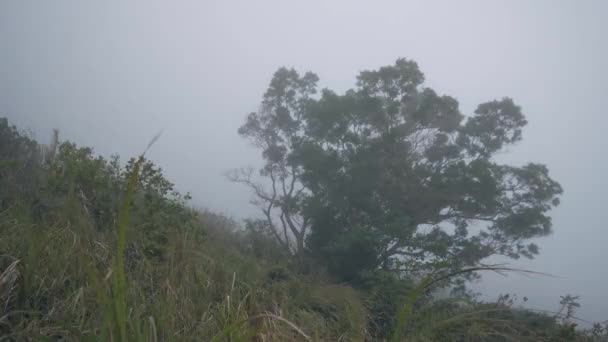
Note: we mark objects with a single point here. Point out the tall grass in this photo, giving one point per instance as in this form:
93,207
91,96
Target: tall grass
68,280
119,279
64,278
59,283
438,275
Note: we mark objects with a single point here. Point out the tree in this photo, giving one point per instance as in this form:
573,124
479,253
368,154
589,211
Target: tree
394,176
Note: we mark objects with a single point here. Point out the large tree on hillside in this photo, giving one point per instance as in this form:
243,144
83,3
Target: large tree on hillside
391,174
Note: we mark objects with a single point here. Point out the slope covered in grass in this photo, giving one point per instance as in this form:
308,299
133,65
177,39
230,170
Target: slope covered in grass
86,257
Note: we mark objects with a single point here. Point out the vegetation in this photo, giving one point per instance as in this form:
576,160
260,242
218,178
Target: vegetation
390,175
368,200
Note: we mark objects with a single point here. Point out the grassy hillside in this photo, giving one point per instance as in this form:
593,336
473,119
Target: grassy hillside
92,249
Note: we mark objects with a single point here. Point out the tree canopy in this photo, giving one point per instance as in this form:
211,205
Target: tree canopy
393,175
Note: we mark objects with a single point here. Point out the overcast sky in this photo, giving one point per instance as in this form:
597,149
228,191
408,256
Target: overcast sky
111,74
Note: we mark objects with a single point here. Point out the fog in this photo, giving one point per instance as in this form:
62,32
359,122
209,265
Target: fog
111,74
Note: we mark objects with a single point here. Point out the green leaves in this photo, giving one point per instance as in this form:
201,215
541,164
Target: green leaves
392,171
494,125
393,82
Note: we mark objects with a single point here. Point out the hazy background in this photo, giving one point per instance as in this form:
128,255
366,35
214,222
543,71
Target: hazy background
110,74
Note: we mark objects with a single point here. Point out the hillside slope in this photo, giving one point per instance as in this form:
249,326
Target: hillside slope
95,250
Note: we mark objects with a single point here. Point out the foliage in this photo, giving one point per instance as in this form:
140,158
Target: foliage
384,294
392,175
19,160
91,250
188,275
